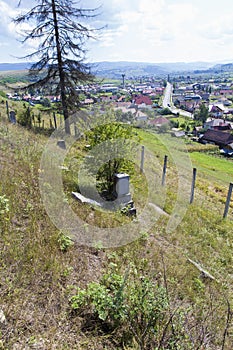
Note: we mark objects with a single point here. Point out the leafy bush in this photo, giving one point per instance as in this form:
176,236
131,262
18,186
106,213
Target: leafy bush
65,242
137,309
120,141
24,118
175,123
4,212
4,205
135,304
165,111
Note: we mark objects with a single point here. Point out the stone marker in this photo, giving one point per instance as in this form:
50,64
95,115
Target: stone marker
123,199
84,199
12,117
123,196
61,144
121,184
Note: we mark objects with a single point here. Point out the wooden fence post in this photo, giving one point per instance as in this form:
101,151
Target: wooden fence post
55,120
7,110
164,170
142,159
227,205
193,185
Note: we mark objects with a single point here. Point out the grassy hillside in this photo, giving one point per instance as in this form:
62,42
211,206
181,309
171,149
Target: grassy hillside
148,294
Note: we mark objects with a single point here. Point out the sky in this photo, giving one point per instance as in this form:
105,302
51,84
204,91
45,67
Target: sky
140,30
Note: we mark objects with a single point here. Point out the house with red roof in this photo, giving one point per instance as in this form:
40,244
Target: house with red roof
142,100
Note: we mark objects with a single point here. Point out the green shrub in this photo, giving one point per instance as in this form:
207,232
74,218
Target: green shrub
24,118
65,242
115,157
4,205
134,303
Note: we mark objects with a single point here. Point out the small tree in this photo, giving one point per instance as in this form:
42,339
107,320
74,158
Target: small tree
25,118
61,34
201,114
120,140
165,111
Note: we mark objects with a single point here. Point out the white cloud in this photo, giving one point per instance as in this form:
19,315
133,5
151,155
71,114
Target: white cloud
151,23
147,30
215,30
6,14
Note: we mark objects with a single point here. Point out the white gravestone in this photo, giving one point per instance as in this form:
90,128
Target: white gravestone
122,184
124,200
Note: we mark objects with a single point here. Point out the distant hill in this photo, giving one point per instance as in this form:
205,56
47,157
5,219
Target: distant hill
14,66
103,69
217,69
116,69
186,66
227,67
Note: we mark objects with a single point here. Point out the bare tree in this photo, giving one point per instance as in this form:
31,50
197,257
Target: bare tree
60,29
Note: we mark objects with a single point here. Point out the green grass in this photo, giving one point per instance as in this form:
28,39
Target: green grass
207,160
150,140
39,273
218,169
181,120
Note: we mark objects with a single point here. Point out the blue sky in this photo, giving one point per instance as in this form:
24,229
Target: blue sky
142,30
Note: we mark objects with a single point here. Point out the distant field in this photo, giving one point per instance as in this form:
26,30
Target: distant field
220,169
